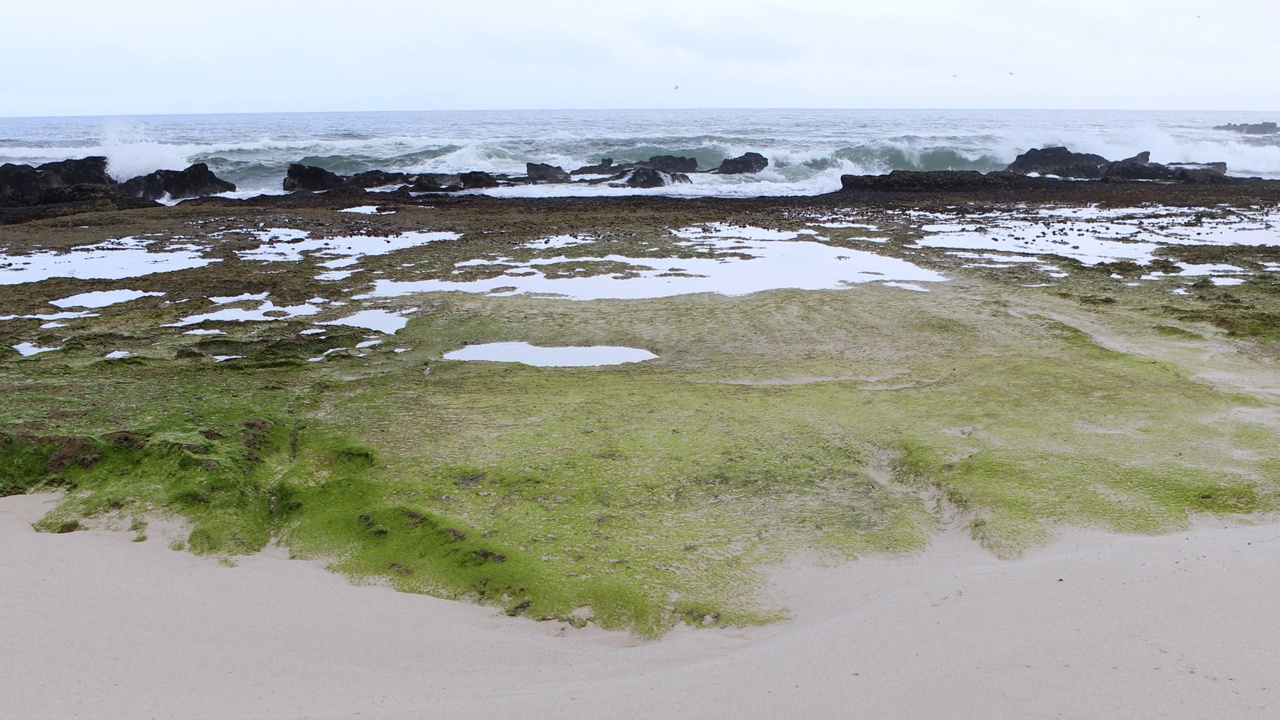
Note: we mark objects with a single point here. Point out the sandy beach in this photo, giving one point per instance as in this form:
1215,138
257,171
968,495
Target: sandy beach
1095,625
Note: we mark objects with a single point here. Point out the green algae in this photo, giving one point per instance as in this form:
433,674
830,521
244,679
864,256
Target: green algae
638,497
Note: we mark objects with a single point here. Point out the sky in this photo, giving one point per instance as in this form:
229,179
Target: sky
125,57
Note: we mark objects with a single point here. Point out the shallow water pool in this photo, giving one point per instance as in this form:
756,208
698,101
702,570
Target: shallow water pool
524,353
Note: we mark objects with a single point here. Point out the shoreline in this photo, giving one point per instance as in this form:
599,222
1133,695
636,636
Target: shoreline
912,190
1094,624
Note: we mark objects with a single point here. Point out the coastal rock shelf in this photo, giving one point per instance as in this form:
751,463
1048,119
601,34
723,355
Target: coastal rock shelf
621,411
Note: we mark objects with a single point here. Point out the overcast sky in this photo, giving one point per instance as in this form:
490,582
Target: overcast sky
98,57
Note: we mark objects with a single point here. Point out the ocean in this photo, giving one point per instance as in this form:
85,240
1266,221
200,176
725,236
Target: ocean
808,149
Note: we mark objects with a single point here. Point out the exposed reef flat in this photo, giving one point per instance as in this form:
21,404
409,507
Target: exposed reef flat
840,376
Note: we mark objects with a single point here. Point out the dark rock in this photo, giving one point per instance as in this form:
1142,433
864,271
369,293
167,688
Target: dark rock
604,167
1265,128
643,177
78,193
747,164
1139,168
311,179
939,181
23,185
1061,162
1217,167
539,172
671,164
20,185
195,181
378,178
86,171
1198,176
437,182
476,179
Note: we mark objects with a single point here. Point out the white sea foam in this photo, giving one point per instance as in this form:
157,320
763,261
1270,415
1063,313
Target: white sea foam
808,149
526,354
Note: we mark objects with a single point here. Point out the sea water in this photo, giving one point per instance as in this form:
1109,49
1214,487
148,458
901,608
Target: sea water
808,149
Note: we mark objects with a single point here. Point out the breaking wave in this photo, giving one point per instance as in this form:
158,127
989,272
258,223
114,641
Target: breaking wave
808,149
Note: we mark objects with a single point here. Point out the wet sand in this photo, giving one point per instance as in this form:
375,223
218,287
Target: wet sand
1095,625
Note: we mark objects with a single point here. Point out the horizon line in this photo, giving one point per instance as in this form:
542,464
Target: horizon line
623,110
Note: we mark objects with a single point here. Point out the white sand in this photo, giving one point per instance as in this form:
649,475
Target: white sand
92,625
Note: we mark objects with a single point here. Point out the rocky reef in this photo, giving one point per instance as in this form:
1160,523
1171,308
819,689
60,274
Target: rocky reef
658,171
1262,128
1047,168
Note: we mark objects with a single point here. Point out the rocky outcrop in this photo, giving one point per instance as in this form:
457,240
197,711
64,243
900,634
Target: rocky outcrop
539,172
20,185
311,179
939,181
604,167
1061,162
1215,167
477,180
671,164
645,177
379,178
55,182
945,181
747,164
195,181
436,182
1200,176
1140,167
1263,128
85,171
